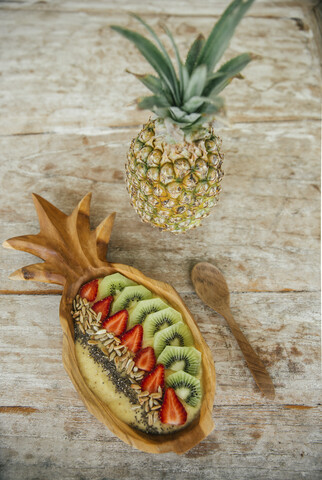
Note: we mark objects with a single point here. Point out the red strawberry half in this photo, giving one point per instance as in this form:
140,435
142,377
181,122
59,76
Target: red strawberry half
133,338
154,380
172,411
117,322
103,306
89,290
145,359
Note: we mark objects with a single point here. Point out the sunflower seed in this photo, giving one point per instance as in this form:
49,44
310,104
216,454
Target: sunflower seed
90,332
111,348
135,369
117,340
101,332
150,419
155,417
118,352
108,341
99,316
156,401
92,342
156,407
135,386
82,329
118,347
156,395
105,351
112,356
144,394
146,407
110,335
151,402
95,328
135,407
160,389
76,314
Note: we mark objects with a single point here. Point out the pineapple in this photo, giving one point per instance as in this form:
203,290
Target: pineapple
174,167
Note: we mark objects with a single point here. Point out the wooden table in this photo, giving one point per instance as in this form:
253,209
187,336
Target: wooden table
67,118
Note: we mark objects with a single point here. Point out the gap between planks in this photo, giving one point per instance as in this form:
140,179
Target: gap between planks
113,128
311,5
232,292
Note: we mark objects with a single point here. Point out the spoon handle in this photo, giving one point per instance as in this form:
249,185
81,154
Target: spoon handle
254,363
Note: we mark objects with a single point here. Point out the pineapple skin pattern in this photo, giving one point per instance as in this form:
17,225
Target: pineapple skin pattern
174,185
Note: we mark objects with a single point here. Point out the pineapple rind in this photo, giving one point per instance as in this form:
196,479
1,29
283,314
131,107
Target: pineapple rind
173,186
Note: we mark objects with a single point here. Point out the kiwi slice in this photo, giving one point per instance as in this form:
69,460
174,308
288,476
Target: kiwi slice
129,296
178,335
144,308
187,359
186,387
160,320
112,284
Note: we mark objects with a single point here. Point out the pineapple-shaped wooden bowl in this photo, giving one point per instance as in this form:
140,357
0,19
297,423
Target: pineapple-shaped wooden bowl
74,254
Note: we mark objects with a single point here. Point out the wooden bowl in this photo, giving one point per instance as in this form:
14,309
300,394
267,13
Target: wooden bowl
74,255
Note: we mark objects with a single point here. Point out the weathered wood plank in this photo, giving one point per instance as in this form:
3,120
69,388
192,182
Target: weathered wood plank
273,8
264,233
253,436
66,72
62,71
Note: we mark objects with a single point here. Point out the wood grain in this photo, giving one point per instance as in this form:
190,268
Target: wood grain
66,124
75,79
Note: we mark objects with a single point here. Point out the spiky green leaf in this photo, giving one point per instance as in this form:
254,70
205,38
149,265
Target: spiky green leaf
163,50
147,103
222,33
218,81
211,105
194,103
196,82
179,62
153,55
153,83
193,53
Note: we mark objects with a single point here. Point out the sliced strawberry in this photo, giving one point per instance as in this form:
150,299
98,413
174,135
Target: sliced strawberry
133,338
89,290
172,411
103,306
145,359
154,380
117,322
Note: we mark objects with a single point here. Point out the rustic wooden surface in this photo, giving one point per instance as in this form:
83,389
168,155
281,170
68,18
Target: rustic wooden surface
67,117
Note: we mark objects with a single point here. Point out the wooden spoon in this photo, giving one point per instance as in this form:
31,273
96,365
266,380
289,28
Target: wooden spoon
212,288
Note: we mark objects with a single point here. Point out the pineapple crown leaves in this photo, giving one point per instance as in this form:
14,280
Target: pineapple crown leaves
66,243
189,96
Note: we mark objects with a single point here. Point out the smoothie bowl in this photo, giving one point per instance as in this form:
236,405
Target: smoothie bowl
131,347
